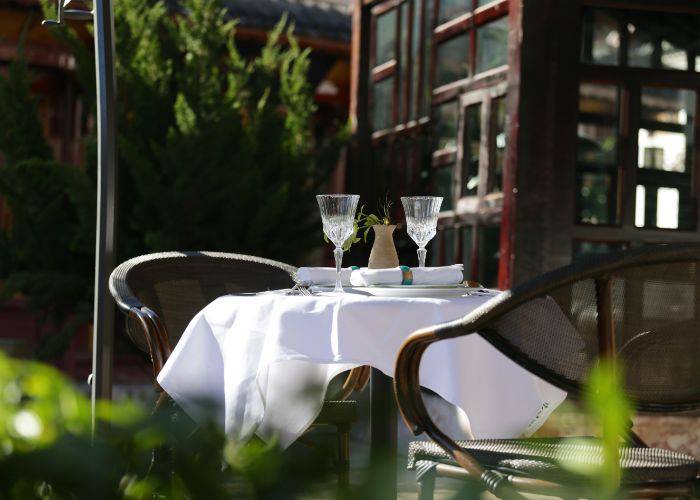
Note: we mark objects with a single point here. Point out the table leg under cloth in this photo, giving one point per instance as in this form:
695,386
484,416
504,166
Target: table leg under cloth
383,413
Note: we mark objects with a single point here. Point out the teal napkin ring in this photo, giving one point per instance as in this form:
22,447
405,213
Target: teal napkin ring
407,275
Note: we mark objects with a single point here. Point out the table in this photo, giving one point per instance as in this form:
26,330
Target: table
255,356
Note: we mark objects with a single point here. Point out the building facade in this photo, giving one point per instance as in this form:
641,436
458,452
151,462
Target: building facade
551,128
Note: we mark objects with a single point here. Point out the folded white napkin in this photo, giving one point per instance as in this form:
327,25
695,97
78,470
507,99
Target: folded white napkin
322,275
444,275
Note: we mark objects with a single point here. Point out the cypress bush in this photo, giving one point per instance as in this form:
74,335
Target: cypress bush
215,152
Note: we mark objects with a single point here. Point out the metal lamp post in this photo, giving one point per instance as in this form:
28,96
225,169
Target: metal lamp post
103,315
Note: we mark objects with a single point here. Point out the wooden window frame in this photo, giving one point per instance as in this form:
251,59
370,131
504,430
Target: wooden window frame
468,22
618,168
483,205
476,264
493,118
622,22
483,208
465,23
628,131
403,92
671,6
445,156
659,178
630,81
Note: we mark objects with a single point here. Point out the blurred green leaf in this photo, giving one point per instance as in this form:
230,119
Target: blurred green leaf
607,404
47,451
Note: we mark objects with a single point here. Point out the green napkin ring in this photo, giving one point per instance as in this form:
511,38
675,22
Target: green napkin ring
407,278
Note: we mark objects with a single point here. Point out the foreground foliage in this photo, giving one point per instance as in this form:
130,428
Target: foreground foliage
46,449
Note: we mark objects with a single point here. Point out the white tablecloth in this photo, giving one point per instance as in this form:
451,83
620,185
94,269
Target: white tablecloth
265,362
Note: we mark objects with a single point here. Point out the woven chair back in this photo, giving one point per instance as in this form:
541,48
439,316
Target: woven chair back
177,285
649,299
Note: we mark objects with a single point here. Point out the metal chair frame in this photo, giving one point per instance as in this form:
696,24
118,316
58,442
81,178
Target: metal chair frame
598,268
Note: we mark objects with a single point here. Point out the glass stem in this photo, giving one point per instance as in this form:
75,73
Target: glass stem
338,254
422,252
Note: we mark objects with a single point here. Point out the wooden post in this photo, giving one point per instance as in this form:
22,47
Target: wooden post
606,321
360,173
510,191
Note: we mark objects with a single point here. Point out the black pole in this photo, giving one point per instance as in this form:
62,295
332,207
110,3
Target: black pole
104,309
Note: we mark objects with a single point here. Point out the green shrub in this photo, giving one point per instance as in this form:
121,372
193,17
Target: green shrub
47,251
215,152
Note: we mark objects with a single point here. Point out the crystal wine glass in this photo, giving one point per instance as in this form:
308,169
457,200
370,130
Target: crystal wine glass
338,216
421,221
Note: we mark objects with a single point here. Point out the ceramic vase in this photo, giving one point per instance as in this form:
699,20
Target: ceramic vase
383,254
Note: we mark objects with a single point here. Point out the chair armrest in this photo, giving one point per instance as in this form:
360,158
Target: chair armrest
159,348
415,413
355,381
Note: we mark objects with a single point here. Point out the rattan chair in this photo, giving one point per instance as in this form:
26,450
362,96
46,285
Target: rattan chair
160,293
641,308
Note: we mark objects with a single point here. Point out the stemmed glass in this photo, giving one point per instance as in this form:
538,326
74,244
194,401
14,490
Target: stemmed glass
338,216
421,221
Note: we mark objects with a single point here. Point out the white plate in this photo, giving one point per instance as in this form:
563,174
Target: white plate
427,291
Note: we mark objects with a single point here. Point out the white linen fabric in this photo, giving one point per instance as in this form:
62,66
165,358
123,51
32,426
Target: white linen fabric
322,275
444,275
265,361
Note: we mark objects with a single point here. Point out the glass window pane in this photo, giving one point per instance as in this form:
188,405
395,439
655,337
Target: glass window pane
383,99
676,106
595,198
442,186
640,206
452,60
492,45
498,143
667,208
489,255
661,40
596,154
596,144
597,127
582,248
450,9
665,139
662,150
601,38
446,116
449,243
673,57
427,55
640,50
472,145
598,99
467,238
385,37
